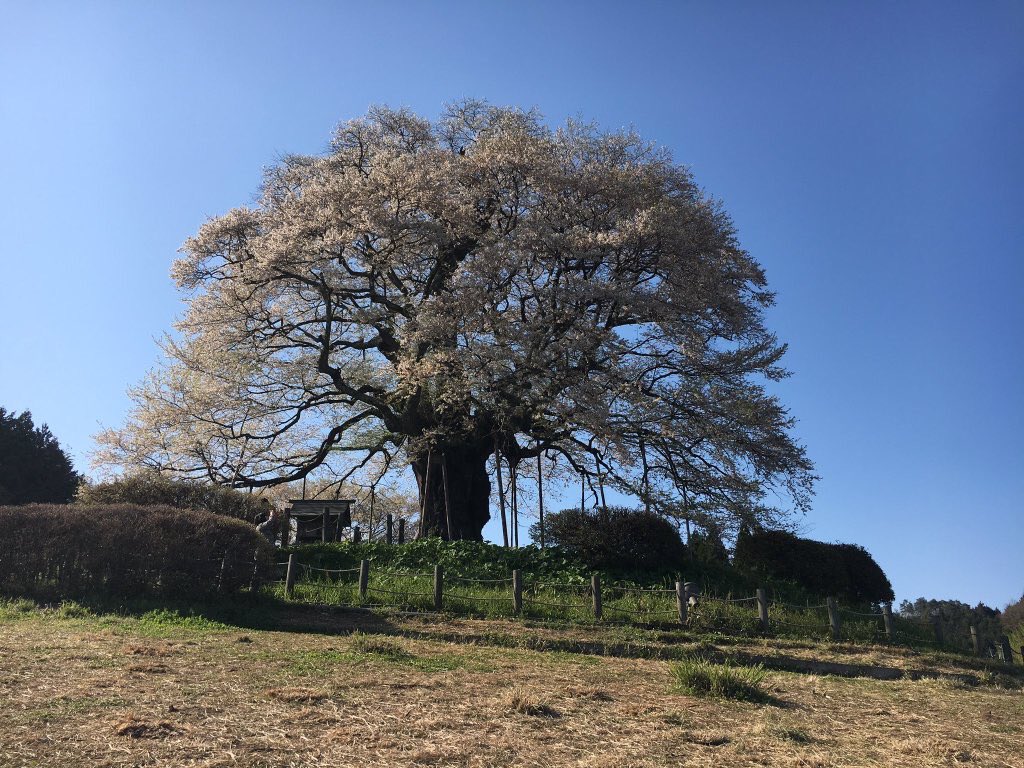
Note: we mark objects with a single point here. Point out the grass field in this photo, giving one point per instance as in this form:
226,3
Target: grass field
294,686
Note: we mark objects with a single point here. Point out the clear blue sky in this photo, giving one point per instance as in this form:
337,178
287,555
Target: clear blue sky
871,154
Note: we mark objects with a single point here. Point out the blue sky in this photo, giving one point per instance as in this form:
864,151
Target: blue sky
870,154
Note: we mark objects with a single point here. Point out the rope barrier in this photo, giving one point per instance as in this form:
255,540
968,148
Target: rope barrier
471,597
637,590
329,570
531,601
637,613
478,581
400,594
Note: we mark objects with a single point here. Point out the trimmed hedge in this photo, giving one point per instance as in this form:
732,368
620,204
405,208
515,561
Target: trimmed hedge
617,539
151,488
57,552
845,571
467,559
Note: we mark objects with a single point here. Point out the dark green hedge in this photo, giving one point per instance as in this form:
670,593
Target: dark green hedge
57,552
617,539
151,488
844,571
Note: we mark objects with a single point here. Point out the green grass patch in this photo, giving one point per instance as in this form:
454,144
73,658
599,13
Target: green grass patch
700,677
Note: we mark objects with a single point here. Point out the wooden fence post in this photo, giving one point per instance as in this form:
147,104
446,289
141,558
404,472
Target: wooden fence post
388,535
289,578
887,620
401,530
438,587
595,588
975,645
833,618
364,578
681,601
762,607
1007,652
517,591
357,535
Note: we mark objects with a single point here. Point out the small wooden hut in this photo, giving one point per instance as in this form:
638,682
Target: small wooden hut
317,520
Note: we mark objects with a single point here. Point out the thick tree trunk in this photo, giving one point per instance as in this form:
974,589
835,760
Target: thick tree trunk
469,491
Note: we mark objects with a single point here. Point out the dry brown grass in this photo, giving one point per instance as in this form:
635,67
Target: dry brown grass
92,693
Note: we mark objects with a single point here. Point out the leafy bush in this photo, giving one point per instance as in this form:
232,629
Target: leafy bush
617,539
33,467
469,559
700,677
56,552
153,488
845,571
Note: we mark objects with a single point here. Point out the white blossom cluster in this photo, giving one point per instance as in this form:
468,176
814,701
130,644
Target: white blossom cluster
483,282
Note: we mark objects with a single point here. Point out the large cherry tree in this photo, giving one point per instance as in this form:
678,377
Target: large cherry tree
432,294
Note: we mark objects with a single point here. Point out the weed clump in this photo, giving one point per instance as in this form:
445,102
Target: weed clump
700,677
524,702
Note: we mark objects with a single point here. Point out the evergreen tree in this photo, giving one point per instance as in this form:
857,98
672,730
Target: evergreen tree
33,467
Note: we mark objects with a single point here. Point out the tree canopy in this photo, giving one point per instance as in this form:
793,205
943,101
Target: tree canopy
435,293
33,466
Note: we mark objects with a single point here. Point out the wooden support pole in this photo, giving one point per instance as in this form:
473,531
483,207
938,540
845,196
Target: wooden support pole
323,526
364,578
513,473
389,535
833,618
762,607
438,587
401,530
373,498
501,493
887,621
595,589
447,499
681,605
975,644
289,578
540,498
426,493
517,591
1007,651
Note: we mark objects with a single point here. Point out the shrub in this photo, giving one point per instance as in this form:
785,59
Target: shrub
57,552
468,559
153,488
845,571
700,677
617,539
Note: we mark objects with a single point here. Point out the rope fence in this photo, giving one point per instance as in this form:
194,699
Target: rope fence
682,606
